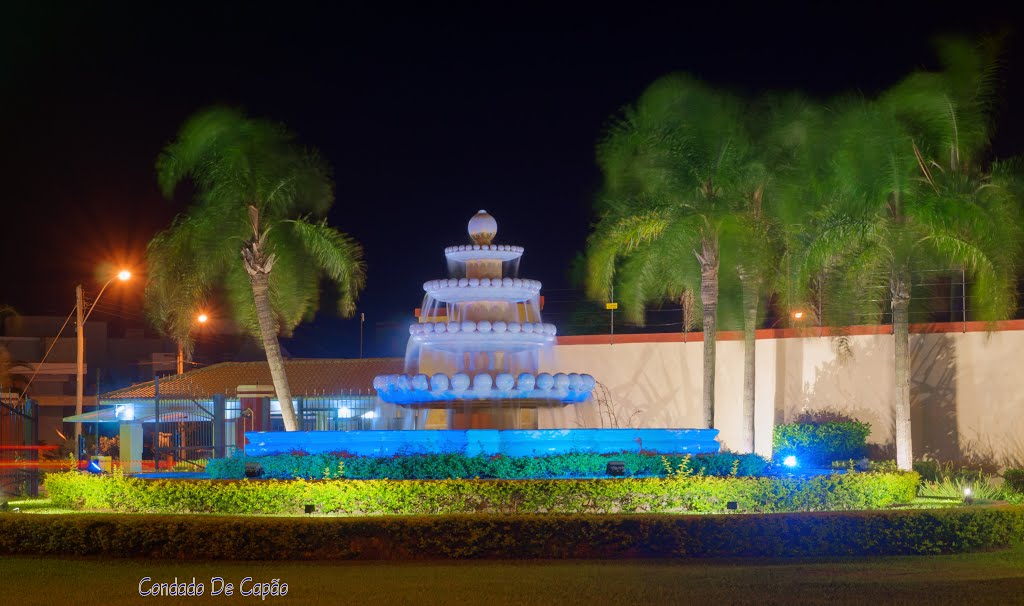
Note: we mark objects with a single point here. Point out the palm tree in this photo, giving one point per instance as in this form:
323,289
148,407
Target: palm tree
173,293
255,230
677,167
909,192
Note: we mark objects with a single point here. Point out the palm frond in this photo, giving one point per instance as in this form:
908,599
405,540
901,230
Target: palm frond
338,256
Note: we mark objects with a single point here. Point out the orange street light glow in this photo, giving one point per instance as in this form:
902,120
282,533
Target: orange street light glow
798,314
202,318
123,275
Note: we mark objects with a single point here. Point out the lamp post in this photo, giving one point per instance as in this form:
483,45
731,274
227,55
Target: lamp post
81,316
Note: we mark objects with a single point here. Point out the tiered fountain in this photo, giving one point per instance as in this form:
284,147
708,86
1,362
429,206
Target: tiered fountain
473,357
472,382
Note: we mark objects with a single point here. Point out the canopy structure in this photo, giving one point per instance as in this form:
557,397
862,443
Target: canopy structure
144,412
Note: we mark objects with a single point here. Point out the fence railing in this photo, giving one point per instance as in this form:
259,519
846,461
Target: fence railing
19,447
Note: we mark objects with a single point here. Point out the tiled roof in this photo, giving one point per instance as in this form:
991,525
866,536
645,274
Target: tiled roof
306,377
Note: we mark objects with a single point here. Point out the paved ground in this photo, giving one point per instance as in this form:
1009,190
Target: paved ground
984,578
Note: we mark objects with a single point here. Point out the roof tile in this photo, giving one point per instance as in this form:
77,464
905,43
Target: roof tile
307,377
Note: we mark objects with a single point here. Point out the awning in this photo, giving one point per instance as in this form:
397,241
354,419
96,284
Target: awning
106,415
141,412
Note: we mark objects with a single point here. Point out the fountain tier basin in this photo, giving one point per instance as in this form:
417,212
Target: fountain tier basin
488,442
420,389
464,290
476,252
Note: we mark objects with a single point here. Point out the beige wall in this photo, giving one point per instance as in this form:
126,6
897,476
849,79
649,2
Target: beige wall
967,388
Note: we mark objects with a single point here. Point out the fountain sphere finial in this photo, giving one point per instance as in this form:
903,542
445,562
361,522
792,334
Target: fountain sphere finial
482,228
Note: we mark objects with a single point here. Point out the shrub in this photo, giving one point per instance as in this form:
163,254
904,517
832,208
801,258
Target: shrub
926,531
443,466
1014,479
692,494
819,444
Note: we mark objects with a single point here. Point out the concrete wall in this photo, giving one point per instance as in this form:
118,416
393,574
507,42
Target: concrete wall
967,388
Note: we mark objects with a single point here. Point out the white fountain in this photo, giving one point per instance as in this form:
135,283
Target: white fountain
472,384
472,359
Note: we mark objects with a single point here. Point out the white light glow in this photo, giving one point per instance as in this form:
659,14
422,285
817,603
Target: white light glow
125,412
370,415
344,412
789,461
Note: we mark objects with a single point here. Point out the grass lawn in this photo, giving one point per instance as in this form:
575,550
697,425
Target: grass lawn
982,578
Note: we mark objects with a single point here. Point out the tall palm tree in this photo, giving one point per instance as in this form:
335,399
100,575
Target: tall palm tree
255,229
677,167
909,192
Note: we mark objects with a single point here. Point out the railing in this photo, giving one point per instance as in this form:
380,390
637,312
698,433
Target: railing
19,449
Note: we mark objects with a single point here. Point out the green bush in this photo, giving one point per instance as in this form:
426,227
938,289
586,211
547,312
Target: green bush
442,466
927,531
818,444
1014,479
691,494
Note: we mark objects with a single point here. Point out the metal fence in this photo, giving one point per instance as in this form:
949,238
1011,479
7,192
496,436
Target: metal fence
939,295
343,412
187,432
19,447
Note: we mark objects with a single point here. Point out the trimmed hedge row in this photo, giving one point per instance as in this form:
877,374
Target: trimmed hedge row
521,537
821,443
691,494
442,466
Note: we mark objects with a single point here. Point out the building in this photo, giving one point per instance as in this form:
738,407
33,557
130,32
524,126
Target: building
205,412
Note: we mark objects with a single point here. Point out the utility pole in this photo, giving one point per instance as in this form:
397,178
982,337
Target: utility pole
80,370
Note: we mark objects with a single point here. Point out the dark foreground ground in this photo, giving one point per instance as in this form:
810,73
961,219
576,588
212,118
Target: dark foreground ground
982,578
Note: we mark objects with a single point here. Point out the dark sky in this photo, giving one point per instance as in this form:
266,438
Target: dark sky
426,117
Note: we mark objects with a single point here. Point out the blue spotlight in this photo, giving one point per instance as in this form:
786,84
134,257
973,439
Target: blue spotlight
94,467
789,461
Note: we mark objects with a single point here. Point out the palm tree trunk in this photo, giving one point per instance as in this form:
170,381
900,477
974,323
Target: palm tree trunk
750,296
901,332
709,298
268,333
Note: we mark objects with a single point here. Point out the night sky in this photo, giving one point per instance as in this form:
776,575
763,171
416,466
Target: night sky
425,117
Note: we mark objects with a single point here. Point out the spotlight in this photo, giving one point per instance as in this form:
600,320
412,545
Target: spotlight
789,461
968,495
615,468
94,467
732,505
310,508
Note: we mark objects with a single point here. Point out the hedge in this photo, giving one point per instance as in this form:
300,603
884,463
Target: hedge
1014,479
520,537
441,466
691,494
819,444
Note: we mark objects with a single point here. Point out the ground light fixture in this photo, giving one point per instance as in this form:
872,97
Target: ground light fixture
968,495
790,461
309,508
615,468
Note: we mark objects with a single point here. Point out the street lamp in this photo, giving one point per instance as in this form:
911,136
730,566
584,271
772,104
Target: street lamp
202,318
82,315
